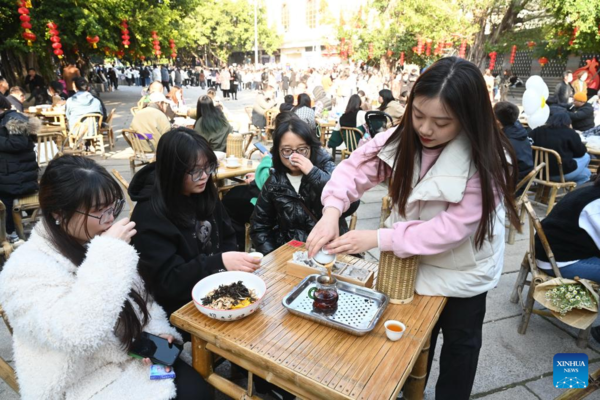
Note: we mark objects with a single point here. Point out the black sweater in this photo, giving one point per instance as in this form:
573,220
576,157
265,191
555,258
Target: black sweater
565,141
173,258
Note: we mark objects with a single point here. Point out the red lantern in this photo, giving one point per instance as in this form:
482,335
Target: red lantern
419,46
531,44
51,25
93,41
25,25
57,45
390,53
142,58
402,58
574,36
462,51
25,18
59,53
543,61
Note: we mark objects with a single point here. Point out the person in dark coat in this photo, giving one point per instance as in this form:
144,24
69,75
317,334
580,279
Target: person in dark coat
558,136
289,204
18,162
581,113
35,83
508,115
183,231
564,91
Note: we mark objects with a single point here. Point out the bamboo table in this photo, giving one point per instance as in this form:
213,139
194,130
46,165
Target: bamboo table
310,360
227,173
325,127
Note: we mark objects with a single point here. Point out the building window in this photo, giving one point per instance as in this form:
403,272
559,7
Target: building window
285,17
311,14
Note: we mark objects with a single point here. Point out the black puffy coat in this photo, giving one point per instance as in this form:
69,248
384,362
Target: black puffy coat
18,162
279,216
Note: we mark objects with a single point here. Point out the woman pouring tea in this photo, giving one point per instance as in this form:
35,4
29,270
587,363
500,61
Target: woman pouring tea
451,185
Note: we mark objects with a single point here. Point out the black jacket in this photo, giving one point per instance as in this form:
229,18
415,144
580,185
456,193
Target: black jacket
563,92
279,216
565,141
520,142
582,118
173,258
18,162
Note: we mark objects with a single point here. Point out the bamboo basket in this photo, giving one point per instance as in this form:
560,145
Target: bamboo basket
235,145
396,277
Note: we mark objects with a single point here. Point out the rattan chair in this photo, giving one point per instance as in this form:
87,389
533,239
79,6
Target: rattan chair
47,147
525,184
108,129
142,146
30,204
270,116
134,110
349,136
529,266
123,182
87,128
548,191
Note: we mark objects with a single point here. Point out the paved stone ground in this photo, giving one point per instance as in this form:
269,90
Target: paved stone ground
511,366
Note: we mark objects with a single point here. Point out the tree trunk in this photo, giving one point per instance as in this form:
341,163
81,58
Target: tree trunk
13,67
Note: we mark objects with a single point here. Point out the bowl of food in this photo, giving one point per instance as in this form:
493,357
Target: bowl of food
229,296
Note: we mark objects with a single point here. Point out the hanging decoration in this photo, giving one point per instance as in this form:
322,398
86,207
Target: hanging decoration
493,56
463,49
574,36
513,54
428,49
402,58
173,49
93,41
390,53
23,10
156,44
370,50
419,49
543,61
125,33
350,48
531,44
55,39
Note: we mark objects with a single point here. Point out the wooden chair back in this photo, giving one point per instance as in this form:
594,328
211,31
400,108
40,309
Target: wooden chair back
270,116
123,182
47,147
543,155
535,226
525,185
349,136
526,182
142,146
110,116
134,110
86,128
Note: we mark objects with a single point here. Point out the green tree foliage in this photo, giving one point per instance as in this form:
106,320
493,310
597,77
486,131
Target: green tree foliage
571,14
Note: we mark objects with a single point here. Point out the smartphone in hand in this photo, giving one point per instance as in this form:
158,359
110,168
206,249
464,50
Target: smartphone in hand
157,349
262,148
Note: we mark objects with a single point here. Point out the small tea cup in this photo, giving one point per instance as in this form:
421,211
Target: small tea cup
394,329
256,255
323,257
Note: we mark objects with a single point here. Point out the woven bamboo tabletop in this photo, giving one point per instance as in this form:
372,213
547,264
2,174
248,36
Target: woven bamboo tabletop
227,173
308,359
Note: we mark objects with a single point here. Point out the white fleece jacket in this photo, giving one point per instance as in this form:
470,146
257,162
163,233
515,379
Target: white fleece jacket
64,316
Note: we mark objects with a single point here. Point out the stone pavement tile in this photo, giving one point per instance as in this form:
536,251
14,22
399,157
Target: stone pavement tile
498,304
513,255
367,223
574,332
374,254
369,210
374,195
545,390
508,358
518,392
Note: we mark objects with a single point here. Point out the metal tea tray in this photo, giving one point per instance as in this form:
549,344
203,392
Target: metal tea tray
358,310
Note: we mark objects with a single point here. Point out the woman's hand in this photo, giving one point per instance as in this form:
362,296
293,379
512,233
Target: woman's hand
301,162
249,178
122,229
170,339
238,261
324,231
265,154
353,242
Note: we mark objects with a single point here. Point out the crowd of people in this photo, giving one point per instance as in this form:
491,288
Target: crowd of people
452,157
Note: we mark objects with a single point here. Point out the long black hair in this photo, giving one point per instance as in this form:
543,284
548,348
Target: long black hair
299,128
387,97
461,88
178,152
303,101
354,104
210,118
72,185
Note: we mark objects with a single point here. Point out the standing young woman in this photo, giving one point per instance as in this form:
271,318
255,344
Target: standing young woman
449,177
290,201
75,300
184,233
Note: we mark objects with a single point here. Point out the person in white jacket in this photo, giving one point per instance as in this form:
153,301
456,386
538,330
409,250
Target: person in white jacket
76,303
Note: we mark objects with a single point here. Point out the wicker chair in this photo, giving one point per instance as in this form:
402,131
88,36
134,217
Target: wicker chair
47,147
123,182
529,266
270,116
349,136
140,143
547,190
29,203
84,129
525,184
108,129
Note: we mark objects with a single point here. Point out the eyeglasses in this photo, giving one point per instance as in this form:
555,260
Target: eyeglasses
197,173
287,152
113,211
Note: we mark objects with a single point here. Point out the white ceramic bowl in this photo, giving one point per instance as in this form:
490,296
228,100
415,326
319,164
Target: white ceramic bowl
212,282
220,155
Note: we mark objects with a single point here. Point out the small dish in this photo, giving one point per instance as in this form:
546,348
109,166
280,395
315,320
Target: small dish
394,329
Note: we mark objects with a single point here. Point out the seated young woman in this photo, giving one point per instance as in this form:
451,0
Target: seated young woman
212,124
350,119
75,299
184,232
289,204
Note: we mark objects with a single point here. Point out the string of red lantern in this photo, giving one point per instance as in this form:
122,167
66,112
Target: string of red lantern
55,39
493,56
370,50
513,54
125,33
402,58
462,51
428,49
574,36
419,49
93,40
173,49
350,49
25,22
156,44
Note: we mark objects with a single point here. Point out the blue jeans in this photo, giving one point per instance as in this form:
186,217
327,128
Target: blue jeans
581,174
585,269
